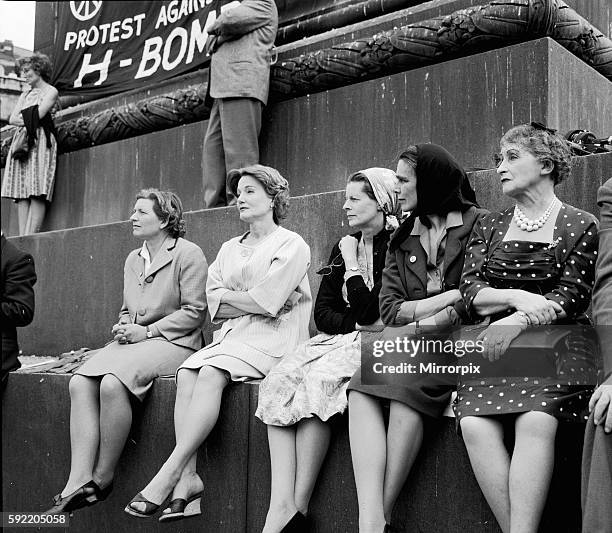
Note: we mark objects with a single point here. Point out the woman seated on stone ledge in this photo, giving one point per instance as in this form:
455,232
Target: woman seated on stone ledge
308,387
533,263
420,284
258,288
164,305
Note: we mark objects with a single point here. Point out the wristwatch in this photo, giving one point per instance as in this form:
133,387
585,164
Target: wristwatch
149,333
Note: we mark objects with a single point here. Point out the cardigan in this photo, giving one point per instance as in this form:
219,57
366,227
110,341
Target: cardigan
331,313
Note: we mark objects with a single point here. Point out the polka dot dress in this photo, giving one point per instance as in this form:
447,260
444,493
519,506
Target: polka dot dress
538,268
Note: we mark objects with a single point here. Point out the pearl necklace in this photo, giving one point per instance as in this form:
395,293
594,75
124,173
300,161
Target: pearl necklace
527,224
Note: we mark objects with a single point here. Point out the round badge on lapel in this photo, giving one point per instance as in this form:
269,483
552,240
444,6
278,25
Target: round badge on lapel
412,259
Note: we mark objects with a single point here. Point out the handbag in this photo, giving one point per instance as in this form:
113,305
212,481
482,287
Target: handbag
20,148
536,351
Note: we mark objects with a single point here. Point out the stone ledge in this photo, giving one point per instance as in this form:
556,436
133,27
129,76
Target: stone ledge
441,494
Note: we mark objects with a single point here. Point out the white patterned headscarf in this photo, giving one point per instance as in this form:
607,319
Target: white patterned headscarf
384,182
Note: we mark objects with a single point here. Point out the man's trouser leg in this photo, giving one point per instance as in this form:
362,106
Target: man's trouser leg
213,161
240,127
596,480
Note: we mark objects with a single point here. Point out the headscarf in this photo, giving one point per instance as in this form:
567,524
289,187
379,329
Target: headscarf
384,183
442,186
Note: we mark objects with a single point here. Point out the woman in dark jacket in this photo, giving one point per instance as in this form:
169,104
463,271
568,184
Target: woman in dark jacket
420,286
308,386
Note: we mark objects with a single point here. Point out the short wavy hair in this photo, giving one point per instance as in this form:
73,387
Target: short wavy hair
276,187
39,63
168,208
544,145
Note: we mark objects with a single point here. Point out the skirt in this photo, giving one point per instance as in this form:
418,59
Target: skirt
35,176
312,381
563,392
235,368
136,365
427,393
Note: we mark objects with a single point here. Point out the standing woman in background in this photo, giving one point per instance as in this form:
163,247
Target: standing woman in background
29,176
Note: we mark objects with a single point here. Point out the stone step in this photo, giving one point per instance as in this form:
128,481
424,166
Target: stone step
80,271
441,494
316,141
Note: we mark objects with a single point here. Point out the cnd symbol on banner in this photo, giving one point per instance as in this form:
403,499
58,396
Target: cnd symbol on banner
85,10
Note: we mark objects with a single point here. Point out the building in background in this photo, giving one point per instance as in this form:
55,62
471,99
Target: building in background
11,85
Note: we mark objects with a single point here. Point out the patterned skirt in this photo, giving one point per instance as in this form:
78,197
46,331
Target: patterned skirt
312,381
34,176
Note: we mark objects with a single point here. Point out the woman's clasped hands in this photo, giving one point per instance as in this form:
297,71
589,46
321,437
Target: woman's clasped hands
539,310
128,333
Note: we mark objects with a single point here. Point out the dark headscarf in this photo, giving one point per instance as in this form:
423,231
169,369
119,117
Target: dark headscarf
442,186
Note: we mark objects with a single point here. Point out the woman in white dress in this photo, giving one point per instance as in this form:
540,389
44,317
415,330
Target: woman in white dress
258,288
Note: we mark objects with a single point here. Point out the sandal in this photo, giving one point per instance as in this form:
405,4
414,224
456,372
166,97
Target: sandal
77,500
180,508
149,510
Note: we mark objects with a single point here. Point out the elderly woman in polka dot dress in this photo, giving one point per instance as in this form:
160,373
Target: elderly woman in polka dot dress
533,263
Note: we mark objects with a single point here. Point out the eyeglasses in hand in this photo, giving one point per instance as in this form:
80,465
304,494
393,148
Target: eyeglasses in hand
328,269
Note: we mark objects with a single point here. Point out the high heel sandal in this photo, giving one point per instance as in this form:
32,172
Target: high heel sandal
297,524
180,508
77,500
149,510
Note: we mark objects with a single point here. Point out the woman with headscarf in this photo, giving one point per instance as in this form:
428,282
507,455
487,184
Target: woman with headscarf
420,285
309,386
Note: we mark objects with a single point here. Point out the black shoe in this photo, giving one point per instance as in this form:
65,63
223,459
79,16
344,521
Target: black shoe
77,500
100,494
297,524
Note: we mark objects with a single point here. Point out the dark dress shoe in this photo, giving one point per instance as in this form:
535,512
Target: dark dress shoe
297,524
101,494
77,500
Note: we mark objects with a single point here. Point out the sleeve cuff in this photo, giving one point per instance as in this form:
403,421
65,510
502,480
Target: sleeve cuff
354,282
263,300
214,301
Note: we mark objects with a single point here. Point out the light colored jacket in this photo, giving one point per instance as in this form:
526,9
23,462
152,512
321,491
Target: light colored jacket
171,298
240,64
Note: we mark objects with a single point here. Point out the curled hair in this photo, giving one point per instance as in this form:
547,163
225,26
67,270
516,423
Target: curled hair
410,155
544,146
168,208
276,187
360,177
39,63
